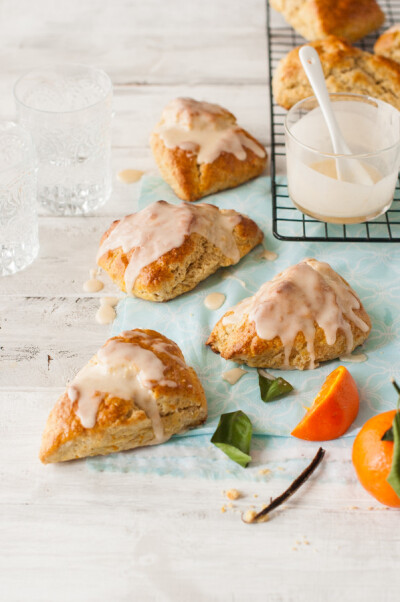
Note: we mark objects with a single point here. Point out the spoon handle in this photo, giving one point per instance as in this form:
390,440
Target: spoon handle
312,66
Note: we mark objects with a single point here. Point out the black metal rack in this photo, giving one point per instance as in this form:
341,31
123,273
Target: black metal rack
288,222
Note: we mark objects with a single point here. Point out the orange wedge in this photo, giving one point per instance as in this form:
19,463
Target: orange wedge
334,409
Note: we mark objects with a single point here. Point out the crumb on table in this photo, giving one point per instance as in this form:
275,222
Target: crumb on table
233,494
249,516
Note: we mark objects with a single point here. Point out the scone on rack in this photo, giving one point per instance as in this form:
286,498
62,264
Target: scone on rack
317,19
165,249
388,44
305,315
200,149
136,391
346,69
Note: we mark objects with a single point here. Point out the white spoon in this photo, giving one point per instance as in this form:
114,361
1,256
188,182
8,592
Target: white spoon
348,171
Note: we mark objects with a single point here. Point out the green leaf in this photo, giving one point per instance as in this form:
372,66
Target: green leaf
271,389
394,475
233,436
388,435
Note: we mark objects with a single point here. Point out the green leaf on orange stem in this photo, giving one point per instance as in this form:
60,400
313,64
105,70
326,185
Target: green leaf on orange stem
394,474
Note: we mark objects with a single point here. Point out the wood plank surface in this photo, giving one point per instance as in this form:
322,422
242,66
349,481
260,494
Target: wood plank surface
69,532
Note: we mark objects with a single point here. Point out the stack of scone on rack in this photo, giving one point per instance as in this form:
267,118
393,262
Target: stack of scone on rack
331,26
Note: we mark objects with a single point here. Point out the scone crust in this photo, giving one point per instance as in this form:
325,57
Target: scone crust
120,424
346,69
388,44
191,181
182,268
316,19
241,344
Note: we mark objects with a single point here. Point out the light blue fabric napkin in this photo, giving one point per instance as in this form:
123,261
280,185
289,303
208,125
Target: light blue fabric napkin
372,269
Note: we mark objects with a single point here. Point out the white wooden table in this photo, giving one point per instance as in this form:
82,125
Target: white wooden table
68,534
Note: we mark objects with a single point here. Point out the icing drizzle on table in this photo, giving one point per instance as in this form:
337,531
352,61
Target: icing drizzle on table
123,369
308,293
205,129
161,227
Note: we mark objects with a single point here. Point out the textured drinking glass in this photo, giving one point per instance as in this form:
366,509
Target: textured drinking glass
19,240
68,111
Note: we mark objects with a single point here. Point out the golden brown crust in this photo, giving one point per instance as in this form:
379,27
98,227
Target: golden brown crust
121,424
388,44
346,69
191,181
316,19
241,344
182,268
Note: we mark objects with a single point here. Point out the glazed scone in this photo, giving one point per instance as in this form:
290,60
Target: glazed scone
165,249
317,19
137,390
305,315
346,69
200,149
388,44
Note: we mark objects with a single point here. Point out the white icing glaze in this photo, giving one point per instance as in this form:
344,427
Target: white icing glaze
112,301
93,285
228,276
205,129
105,314
294,300
214,300
268,255
124,370
265,374
355,358
129,176
233,375
162,226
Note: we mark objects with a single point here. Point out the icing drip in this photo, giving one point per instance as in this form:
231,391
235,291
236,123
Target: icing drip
205,129
105,314
214,300
162,226
232,376
268,255
292,302
129,176
355,358
124,370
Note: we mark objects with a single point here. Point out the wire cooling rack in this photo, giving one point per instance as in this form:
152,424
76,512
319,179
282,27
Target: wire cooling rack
288,222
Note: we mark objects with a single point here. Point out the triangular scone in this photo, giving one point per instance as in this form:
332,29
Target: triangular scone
346,69
165,250
388,44
200,149
137,390
316,19
305,315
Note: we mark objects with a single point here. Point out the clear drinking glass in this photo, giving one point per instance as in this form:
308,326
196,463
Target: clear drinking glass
343,188
68,111
19,239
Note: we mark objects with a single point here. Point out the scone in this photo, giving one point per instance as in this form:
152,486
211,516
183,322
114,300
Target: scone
137,390
346,69
388,44
200,149
165,250
305,315
317,19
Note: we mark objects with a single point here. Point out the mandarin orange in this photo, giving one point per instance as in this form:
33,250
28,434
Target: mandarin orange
334,409
372,458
